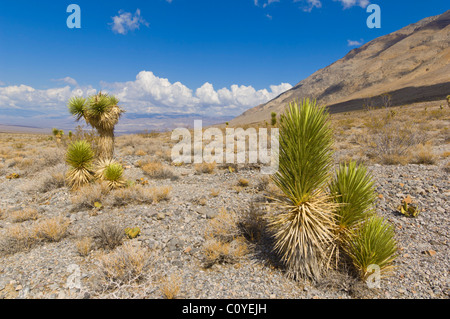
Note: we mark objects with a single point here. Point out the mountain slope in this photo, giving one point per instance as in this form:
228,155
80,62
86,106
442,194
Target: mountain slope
412,65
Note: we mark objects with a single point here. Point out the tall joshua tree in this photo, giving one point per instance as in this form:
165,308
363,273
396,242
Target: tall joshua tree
102,113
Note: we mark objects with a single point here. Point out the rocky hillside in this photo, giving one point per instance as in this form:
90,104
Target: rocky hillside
412,65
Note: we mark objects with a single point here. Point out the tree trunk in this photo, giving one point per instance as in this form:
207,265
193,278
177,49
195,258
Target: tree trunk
105,144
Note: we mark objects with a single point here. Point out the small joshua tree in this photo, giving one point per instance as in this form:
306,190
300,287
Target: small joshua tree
80,157
317,214
110,171
304,227
102,113
353,191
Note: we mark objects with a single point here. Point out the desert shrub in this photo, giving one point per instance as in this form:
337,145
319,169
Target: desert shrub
252,222
373,244
17,238
108,235
423,154
224,240
24,215
84,246
170,286
392,141
138,194
243,182
157,170
88,195
216,251
123,266
52,229
48,180
205,168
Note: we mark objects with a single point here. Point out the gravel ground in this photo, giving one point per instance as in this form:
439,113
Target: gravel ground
175,230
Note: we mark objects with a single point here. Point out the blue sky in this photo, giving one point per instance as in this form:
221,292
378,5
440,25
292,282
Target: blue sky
181,56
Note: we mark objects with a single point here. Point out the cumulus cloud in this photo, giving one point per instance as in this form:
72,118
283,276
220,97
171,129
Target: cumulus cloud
125,22
26,98
149,94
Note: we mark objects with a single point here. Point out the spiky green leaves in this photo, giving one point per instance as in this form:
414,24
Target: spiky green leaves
373,244
304,227
353,190
80,157
77,106
110,171
305,151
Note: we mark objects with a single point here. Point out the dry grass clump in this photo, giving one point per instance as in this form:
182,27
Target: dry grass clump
20,238
157,170
243,182
138,194
108,235
17,238
84,246
124,266
86,196
170,286
392,143
24,215
205,168
50,179
52,229
423,154
252,222
224,242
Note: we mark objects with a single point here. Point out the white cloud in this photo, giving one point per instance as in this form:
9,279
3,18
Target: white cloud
311,4
53,100
2,83
352,43
147,94
125,22
351,3
68,80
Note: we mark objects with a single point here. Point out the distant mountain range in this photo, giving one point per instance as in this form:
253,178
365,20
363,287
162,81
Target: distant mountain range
412,65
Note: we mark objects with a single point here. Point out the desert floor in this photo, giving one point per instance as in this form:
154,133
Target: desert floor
203,232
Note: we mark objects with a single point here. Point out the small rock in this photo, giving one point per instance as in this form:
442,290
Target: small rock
160,216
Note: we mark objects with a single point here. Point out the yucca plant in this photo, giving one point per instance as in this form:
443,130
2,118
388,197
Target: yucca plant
353,190
111,172
304,223
102,113
80,157
373,244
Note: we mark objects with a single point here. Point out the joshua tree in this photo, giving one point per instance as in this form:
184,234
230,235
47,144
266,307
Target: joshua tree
102,113
304,227
316,214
